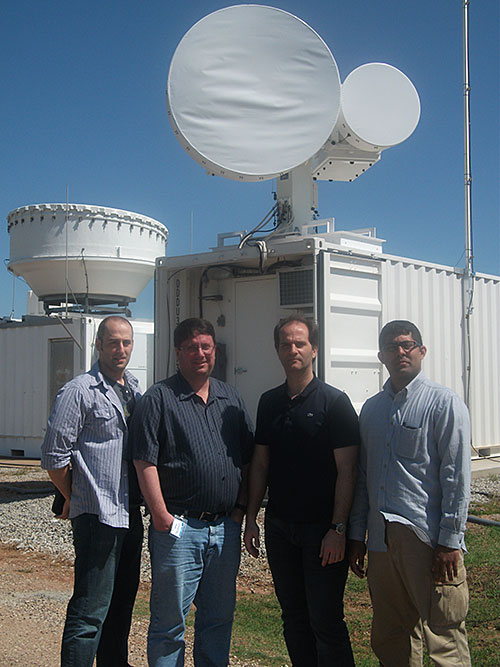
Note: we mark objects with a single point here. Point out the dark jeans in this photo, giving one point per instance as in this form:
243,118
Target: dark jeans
107,570
311,596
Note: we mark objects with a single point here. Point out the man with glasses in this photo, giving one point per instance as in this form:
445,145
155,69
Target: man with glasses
307,441
192,441
412,497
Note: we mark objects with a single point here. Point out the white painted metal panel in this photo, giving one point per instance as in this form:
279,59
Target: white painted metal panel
24,365
24,395
356,295
257,367
350,318
431,297
485,362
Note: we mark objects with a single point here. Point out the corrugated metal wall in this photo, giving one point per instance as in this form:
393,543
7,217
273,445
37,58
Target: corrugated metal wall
24,392
485,361
25,370
432,298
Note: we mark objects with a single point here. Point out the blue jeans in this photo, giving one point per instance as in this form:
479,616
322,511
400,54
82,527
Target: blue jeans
200,567
310,596
107,570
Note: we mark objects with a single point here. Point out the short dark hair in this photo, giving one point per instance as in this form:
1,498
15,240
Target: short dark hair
188,328
311,325
398,328
103,326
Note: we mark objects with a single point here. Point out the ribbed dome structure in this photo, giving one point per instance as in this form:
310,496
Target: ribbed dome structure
108,254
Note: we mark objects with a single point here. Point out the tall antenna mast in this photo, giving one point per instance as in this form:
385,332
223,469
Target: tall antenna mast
467,157
66,229
469,258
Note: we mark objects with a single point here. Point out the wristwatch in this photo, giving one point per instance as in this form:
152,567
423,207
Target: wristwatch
339,528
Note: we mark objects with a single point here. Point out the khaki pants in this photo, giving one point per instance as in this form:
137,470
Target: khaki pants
409,606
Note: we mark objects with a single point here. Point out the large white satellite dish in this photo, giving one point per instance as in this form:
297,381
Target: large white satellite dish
252,92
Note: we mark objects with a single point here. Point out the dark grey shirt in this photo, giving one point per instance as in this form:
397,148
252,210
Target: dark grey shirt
199,449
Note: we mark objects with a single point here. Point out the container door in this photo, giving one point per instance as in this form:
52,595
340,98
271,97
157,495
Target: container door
349,311
257,367
60,366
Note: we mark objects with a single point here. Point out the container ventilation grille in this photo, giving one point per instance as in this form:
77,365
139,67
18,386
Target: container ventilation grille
296,288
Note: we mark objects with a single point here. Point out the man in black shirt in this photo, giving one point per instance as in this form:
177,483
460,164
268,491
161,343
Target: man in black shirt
192,442
306,452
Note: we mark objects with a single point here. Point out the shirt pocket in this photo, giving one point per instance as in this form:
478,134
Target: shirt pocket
408,441
101,424
102,412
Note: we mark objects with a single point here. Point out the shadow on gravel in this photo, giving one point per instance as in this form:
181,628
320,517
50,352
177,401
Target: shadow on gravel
15,491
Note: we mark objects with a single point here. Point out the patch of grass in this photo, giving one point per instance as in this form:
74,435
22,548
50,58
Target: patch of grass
257,630
141,607
257,634
489,506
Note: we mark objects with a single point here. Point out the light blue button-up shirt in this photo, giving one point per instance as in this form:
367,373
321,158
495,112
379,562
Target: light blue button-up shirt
87,427
414,465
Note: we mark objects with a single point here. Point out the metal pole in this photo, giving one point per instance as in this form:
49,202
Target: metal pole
66,230
469,264
467,146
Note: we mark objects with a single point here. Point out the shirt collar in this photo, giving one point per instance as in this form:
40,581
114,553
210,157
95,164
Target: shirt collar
410,388
100,378
216,389
305,392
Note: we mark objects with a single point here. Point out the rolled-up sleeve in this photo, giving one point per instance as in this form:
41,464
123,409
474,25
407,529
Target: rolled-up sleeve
63,428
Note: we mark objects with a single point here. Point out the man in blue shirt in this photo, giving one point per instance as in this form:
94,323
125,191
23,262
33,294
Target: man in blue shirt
192,442
412,497
87,430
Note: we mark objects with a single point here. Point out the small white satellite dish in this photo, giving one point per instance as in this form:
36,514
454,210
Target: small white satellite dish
252,92
379,107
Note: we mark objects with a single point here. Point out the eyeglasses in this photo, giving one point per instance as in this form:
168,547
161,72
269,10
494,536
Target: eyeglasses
206,348
405,345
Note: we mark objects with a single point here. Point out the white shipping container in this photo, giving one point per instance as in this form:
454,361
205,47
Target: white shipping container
345,281
38,356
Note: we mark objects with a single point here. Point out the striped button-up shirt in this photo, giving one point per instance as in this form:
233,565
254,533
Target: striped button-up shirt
87,428
199,449
414,465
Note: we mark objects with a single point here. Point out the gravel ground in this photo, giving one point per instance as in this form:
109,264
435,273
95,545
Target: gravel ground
37,576
27,521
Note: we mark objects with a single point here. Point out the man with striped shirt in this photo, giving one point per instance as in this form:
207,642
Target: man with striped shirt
85,453
192,442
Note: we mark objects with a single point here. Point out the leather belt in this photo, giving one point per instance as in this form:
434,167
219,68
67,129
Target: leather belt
203,516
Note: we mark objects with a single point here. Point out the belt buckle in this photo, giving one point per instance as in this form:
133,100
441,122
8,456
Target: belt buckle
208,516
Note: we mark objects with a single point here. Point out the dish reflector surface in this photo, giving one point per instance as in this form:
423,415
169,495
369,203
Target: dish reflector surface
380,106
252,92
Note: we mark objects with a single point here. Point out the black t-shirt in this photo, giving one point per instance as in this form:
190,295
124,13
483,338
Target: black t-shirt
302,434
127,399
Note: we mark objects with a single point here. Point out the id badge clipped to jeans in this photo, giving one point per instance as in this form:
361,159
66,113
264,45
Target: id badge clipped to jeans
177,528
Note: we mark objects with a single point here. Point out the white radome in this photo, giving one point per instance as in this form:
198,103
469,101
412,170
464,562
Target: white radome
110,252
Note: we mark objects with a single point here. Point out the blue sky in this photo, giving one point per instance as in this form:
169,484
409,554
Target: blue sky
84,105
